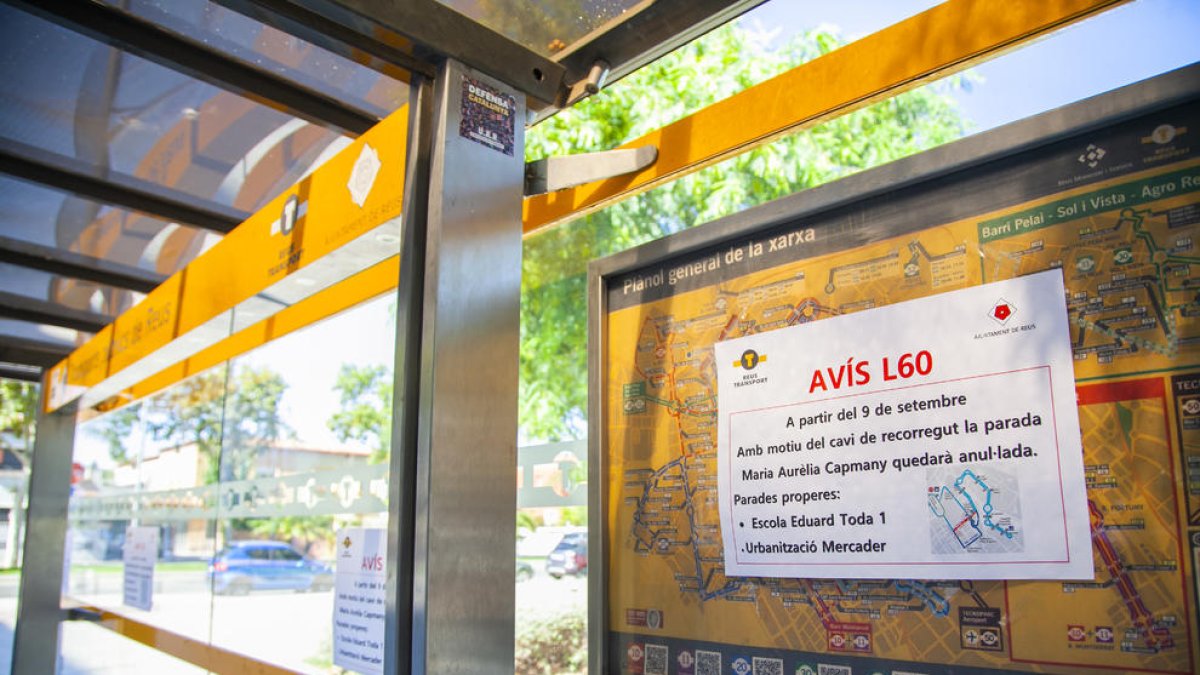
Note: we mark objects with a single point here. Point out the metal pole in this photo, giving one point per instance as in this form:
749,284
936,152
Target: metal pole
35,642
406,384
465,537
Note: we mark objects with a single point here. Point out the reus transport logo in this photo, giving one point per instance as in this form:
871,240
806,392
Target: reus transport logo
750,360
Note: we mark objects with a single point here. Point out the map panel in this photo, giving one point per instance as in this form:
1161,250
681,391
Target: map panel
1132,272
1135,614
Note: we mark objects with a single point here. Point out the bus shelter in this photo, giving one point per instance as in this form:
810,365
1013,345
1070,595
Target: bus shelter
932,417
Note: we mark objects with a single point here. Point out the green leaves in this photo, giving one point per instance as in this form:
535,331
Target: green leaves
18,413
553,400
365,393
228,422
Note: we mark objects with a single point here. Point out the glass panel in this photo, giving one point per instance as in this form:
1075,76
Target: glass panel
19,401
1075,63
304,453
553,395
26,282
781,22
149,464
32,331
553,304
252,42
80,98
551,594
549,27
1070,65
70,293
30,212
49,217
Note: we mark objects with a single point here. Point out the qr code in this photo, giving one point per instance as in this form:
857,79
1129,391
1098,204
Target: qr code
826,669
708,663
656,660
768,666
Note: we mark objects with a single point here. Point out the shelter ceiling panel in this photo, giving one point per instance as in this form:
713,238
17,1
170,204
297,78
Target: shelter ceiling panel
252,42
48,217
12,329
39,352
122,114
66,292
549,26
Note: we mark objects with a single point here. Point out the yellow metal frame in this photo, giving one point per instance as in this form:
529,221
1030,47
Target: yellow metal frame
196,652
938,42
367,284
925,47
261,251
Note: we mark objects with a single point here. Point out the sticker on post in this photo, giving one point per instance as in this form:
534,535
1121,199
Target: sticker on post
930,439
488,116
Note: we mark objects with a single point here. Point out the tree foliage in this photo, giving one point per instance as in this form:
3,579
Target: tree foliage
116,429
365,416
18,414
553,396
228,425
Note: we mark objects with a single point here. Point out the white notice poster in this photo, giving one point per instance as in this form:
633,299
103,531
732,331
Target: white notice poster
930,439
359,599
139,555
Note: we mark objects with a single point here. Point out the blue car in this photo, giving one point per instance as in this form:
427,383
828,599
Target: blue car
246,566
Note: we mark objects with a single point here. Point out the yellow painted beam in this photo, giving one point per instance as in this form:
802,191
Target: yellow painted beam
365,285
936,43
356,190
193,651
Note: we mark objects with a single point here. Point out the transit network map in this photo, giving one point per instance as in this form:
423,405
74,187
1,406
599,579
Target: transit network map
1127,247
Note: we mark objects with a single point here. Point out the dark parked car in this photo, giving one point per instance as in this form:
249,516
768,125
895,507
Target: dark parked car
569,557
246,566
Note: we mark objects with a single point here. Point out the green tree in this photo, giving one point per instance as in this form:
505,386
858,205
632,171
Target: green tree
228,424
18,415
553,397
117,428
365,393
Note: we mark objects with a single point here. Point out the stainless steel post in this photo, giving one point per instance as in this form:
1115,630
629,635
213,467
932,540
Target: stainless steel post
407,379
39,613
463,600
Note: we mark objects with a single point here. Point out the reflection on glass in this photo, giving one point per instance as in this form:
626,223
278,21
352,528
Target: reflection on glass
304,453
149,464
549,28
551,595
247,470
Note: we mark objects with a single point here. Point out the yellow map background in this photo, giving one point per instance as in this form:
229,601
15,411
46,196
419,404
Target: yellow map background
665,548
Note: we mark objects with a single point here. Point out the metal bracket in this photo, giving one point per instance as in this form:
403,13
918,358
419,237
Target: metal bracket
84,614
559,173
591,84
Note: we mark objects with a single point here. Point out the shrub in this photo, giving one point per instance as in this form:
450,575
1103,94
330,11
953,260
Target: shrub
554,644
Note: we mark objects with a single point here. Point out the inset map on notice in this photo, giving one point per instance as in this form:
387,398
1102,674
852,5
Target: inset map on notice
973,510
